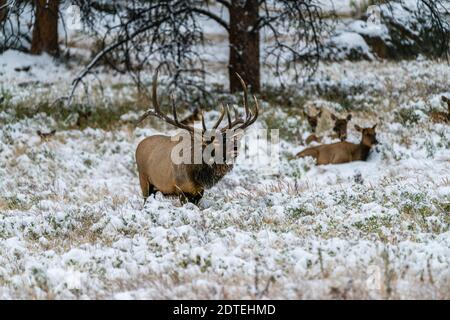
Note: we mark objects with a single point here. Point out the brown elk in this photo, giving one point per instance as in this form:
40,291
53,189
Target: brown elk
313,121
157,171
340,127
342,152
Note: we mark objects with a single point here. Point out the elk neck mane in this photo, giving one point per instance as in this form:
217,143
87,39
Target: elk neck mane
208,175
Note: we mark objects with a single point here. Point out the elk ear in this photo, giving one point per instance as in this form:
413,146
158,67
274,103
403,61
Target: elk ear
358,128
333,117
349,117
374,126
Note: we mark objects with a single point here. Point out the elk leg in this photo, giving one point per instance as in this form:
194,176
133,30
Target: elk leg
146,187
195,199
151,190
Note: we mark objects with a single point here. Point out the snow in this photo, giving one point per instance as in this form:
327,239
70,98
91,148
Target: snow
14,67
73,224
72,228
340,6
369,29
347,41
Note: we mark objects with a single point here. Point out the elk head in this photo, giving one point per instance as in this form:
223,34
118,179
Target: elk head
340,126
369,136
313,120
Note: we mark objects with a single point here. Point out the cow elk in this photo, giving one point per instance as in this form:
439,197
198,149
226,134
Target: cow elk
340,127
313,121
157,170
342,152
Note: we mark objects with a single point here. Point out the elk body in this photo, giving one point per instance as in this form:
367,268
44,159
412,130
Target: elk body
342,152
157,171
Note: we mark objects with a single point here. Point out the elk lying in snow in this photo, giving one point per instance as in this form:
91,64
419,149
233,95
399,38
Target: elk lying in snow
342,152
157,170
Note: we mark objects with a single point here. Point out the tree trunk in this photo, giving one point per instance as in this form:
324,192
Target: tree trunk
3,12
45,30
244,45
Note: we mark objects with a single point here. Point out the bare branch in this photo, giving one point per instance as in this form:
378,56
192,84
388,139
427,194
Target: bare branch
212,16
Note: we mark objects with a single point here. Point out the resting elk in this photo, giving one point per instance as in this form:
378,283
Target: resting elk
157,170
342,152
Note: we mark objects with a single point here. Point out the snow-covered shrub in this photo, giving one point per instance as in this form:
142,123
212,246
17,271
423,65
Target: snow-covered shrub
407,29
347,46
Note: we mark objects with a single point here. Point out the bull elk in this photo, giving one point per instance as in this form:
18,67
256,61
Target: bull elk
157,171
342,152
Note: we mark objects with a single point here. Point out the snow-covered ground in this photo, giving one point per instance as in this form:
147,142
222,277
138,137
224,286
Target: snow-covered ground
73,224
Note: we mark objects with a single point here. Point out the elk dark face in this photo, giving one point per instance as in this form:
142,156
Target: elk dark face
340,126
369,136
313,120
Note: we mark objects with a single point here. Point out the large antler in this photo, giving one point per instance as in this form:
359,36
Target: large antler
244,123
250,118
157,111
